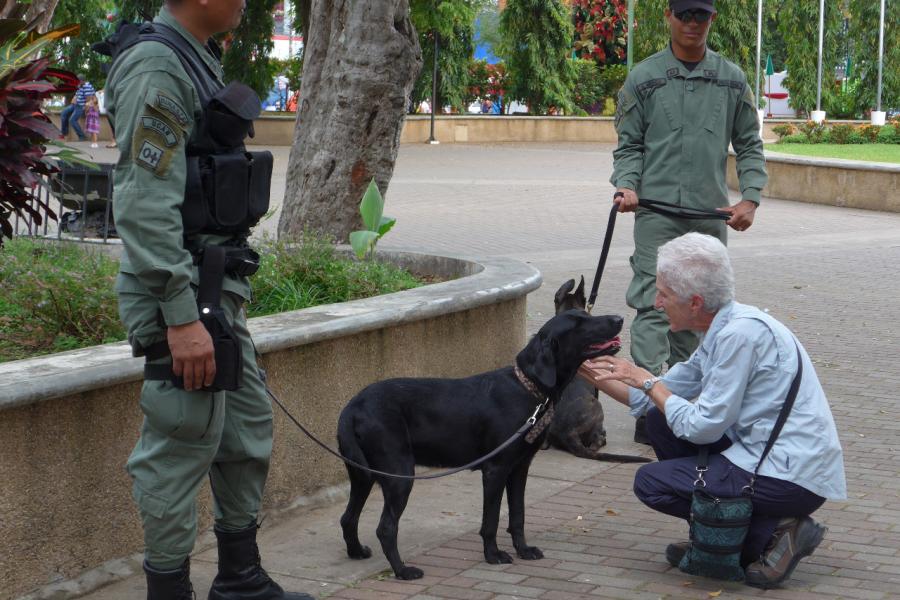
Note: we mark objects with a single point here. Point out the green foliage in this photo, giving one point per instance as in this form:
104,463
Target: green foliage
651,31
863,38
139,10
889,153
486,81
784,130
613,77
798,22
869,133
588,89
453,21
794,138
55,297
889,134
537,41
292,68
294,277
75,53
372,210
247,56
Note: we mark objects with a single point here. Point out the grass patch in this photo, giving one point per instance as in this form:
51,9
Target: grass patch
59,296
889,153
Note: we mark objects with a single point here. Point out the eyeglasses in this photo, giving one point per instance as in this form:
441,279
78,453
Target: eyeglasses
697,16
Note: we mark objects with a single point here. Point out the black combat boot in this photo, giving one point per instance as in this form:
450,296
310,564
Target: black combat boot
170,585
241,576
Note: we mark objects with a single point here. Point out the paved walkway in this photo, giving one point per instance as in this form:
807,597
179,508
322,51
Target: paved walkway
831,274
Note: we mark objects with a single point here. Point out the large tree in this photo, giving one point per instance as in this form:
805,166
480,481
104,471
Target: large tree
360,62
29,10
863,34
537,44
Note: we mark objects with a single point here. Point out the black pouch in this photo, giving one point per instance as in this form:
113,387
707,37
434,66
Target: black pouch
226,184
260,184
229,359
230,113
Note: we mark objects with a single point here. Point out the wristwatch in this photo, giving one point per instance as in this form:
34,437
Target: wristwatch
649,383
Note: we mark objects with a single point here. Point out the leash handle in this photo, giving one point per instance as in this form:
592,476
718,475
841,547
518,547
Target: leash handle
607,241
525,427
681,212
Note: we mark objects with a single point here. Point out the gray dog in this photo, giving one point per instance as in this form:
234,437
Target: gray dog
577,425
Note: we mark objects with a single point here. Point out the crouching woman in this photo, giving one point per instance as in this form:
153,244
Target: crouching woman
728,397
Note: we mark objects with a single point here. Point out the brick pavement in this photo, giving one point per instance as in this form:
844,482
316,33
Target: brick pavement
829,273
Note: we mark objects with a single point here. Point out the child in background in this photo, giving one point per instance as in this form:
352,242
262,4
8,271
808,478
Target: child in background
92,119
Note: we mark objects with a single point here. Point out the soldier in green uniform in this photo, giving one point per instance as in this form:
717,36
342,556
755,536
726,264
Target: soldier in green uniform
159,98
677,113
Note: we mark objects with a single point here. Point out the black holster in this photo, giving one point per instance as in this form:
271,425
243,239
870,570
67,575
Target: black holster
228,355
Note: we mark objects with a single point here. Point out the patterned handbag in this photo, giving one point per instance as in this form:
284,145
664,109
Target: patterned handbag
720,525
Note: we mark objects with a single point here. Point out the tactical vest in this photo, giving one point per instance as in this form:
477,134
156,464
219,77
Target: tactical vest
227,187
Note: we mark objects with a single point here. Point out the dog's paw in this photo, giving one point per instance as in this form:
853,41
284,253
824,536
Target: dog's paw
530,553
359,553
406,573
498,558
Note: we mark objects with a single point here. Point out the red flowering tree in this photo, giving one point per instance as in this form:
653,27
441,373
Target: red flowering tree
486,81
601,27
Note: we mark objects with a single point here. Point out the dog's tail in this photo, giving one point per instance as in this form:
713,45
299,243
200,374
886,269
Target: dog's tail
623,458
349,446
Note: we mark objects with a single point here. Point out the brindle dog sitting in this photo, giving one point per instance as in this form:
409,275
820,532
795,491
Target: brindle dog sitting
577,425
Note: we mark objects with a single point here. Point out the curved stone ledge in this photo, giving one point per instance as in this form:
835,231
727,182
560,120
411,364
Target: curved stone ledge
69,421
479,282
831,181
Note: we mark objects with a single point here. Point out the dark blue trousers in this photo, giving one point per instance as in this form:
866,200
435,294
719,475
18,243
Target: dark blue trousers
667,485
70,116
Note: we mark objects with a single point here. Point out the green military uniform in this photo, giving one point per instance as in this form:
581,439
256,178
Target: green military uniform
674,127
185,436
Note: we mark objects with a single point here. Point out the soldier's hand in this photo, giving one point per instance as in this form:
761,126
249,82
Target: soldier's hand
741,214
626,199
193,357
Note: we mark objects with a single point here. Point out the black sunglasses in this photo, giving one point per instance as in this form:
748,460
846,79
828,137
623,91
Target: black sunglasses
696,15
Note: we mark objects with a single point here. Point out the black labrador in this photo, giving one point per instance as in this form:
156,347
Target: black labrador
396,424
577,425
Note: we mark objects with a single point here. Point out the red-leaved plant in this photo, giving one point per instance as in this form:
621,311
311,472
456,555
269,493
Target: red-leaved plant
600,30
26,80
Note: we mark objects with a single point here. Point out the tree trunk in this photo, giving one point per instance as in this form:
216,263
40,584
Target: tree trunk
42,8
360,63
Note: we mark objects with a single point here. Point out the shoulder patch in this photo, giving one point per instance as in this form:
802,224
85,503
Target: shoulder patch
167,134
149,155
169,106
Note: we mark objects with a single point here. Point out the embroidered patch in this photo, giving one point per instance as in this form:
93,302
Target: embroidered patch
625,103
646,88
149,156
169,106
710,73
162,128
672,72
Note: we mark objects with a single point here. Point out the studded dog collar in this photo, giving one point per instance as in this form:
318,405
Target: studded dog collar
541,424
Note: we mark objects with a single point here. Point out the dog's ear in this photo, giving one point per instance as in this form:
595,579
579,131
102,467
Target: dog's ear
564,290
579,292
538,361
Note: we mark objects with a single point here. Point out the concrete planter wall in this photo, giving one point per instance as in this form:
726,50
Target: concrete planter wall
854,184
68,421
278,130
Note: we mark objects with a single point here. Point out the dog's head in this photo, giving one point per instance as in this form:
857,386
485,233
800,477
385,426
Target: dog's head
553,355
566,299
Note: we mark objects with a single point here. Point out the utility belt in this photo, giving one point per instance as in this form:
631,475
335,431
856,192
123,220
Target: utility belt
241,261
228,355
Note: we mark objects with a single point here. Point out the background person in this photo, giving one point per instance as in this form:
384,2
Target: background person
92,119
675,117
728,395
72,113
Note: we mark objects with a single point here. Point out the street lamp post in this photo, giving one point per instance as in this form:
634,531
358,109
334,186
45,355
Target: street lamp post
630,38
759,20
818,115
434,79
878,115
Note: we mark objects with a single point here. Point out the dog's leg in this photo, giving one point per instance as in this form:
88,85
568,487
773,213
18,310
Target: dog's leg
396,493
360,487
492,480
515,498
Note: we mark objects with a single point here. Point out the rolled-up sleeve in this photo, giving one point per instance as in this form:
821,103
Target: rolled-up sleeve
719,403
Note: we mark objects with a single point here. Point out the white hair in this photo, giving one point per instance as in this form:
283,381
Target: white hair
697,264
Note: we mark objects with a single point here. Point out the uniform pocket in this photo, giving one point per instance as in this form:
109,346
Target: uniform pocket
173,412
151,504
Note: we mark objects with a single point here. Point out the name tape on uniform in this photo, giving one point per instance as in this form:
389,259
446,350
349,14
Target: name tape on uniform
162,128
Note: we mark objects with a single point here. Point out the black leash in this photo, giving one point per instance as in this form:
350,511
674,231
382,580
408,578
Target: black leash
528,424
658,206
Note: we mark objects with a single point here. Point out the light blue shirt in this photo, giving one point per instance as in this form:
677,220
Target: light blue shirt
738,379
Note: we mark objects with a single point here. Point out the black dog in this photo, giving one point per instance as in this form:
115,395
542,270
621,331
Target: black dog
577,425
396,424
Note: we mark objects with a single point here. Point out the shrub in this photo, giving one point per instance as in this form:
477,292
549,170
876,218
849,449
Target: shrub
784,130
813,131
796,138
840,133
888,135
56,297
870,133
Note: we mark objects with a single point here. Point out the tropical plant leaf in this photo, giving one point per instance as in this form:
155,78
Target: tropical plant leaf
386,224
362,242
371,207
